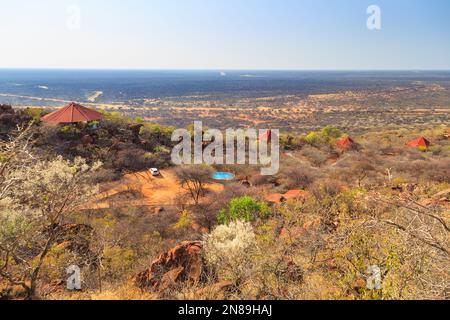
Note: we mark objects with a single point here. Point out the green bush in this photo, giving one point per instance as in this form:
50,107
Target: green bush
245,209
156,134
422,149
35,113
330,133
94,124
139,120
116,119
69,129
312,138
327,135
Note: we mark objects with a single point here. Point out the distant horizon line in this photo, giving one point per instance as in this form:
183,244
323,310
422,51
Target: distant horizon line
220,70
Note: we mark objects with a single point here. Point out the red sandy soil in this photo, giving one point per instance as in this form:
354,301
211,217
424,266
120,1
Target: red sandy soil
161,191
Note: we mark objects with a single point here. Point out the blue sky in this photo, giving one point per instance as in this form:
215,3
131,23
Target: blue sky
225,34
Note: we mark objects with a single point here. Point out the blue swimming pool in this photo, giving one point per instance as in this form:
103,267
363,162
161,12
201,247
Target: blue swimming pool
224,176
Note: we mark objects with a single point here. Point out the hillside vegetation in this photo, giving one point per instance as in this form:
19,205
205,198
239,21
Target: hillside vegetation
343,210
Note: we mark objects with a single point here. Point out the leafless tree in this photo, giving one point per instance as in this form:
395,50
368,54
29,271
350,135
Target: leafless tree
194,179
36,198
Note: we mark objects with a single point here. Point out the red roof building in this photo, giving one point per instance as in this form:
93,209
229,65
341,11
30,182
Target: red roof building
267,136
73,113
346,143
419,143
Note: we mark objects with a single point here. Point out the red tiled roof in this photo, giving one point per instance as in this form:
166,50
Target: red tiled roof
346,143
73,113
419,142
267,136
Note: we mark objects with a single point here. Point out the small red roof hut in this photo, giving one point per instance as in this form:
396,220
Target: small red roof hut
73,113
346,143
266,136
419,143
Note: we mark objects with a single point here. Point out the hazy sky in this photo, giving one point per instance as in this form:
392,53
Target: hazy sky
224,34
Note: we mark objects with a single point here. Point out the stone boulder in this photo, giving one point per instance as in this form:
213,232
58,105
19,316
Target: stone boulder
180,264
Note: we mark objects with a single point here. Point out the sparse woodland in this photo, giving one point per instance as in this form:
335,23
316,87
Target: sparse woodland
379,203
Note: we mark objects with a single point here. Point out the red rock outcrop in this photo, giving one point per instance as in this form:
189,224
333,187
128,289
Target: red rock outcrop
180,264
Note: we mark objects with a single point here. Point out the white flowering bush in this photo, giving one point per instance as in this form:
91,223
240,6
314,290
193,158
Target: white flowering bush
230,249
35,197
46,191
50,187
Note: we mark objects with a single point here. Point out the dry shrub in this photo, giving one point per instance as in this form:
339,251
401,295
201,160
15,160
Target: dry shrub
229,250
298,177
315,156
133,159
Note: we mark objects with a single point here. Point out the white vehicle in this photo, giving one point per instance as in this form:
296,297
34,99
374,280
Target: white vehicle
155,172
